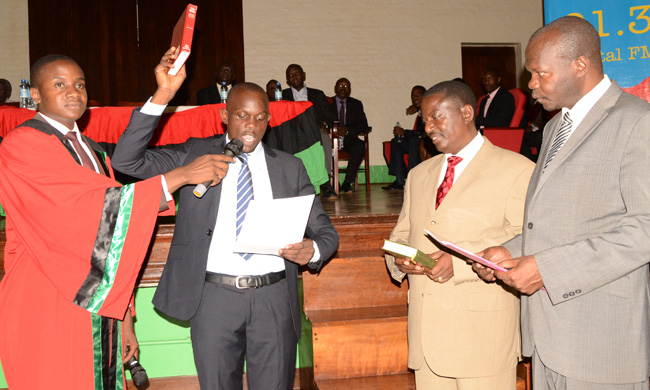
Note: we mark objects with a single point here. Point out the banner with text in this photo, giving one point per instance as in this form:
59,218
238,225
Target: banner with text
624,28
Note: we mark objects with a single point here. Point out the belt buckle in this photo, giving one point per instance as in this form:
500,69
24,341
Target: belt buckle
257,284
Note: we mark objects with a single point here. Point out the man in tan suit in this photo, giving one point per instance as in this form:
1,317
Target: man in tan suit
463,332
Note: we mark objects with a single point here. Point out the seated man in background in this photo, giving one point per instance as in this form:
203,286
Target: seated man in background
270,89
211,94
5,90
299,92
406,142
352,123
498,107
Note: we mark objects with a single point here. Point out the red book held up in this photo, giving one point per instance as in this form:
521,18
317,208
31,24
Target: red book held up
182,37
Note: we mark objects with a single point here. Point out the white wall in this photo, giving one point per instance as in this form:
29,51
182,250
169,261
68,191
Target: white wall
384,47
14,43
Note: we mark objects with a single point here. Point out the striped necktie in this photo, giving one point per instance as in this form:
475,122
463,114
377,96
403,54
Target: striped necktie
560,138
244,196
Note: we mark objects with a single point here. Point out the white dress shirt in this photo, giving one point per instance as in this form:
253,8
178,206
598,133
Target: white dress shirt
221,258
300,96
580,110
467,154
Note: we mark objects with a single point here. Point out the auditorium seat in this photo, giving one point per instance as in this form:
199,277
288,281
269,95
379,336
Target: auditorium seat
504,137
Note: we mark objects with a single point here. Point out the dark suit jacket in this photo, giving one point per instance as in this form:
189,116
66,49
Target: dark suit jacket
355,117
181,285
500,111
321,105
208,95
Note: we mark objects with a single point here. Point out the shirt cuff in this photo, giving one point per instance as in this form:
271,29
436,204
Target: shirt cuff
316,257
153,109
168,196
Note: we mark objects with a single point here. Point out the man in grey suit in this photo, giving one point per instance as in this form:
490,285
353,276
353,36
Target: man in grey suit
581,262
240,307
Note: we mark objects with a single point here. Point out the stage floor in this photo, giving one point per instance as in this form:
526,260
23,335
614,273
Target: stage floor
375,202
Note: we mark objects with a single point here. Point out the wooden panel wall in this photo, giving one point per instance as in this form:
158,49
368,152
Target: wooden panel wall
118,42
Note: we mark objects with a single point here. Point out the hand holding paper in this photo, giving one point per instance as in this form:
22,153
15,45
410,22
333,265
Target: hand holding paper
495,254
465,253
300,252
273,224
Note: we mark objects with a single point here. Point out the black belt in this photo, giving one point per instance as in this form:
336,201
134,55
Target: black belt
246,281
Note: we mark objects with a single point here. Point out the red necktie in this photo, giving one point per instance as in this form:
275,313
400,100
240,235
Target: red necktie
448,181
85,158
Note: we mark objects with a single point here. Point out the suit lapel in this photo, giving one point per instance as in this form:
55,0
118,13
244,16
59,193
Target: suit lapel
275,172
473,170
430,184
214,194
589,124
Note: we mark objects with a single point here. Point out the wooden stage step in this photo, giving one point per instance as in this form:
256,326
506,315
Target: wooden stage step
385,382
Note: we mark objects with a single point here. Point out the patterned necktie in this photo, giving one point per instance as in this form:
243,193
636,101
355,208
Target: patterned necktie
342,113
560,138
244,196
448,181
85,158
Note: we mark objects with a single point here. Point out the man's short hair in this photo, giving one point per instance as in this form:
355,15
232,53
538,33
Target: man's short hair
494,71
456,91
7,86
251,87
38,66
293,66
420,87
577,37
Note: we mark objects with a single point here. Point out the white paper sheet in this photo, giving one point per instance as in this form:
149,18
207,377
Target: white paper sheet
273,224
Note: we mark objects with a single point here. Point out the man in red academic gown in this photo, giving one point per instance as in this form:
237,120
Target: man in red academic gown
76,238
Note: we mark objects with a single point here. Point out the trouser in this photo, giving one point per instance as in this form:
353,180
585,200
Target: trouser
254,324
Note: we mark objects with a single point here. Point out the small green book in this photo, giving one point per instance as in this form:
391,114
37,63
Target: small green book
416,255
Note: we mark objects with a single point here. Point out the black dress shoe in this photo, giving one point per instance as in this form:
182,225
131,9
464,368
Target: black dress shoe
345,188
393,186
329,195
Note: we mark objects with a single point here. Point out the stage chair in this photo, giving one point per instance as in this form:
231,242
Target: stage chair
509,137
518,118
338,155
505,137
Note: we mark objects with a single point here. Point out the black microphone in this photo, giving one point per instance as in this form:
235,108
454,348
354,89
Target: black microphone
138,373
233,149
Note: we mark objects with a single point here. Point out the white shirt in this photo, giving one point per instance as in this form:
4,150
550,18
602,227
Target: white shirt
221,258
585,104
64,130
488,100
467,154
300,96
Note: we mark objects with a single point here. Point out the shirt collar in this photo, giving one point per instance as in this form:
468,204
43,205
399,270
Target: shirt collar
300,96
59,126
470,150
585,104
491,94
256,154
